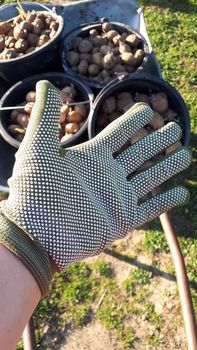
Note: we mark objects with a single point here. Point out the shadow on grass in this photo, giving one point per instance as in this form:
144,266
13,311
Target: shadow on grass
184,6
154,270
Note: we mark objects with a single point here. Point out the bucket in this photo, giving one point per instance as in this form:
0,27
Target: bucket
16,95
82,32
37,61
144,83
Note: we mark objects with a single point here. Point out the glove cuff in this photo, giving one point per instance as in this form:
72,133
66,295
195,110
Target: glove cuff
29,250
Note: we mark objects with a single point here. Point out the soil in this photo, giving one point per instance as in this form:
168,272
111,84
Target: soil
163,295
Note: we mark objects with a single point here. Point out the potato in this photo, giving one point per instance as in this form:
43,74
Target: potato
32,39
65,109
2,43
105,74
22,120
72,58
26,25
128,106
132,40
19,33
138,136
64,113
86,56
85,46
48,21
141,97
21,45
111,34
124,36
43,39
97,41
139,55
5,27
97,58
17,20
83,67
128,58
129,68
109,105
19,137
66,137
28,108
38,26
109,61
15,129
13,115
105,49
114,115
82,110
124,48
71,128
93,69
68,94
10,42
173,147
117,39
54,25
159,102
119,68
30,17
170,115
74,117
75,43
123,102
93,32
124,95
157,121
106,27
30,96
8,54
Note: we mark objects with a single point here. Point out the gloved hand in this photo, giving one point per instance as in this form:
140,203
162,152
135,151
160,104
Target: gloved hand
71,203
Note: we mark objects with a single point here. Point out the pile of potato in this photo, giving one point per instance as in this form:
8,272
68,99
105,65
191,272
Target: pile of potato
115,105
103,54
71,118
26,33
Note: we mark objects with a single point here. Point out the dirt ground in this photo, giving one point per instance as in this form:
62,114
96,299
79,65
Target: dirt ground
163,294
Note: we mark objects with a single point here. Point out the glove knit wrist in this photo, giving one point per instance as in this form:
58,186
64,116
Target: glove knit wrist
28,249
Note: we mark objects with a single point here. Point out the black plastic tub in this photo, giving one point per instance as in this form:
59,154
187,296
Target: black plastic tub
16,95
37,61
82,31
145,83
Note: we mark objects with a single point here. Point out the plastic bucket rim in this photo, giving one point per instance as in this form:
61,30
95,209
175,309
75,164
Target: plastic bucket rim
86,89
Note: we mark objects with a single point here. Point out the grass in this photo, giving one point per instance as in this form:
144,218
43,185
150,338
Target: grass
75,295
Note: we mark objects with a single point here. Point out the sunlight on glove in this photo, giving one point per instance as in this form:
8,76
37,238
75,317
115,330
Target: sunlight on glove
71,203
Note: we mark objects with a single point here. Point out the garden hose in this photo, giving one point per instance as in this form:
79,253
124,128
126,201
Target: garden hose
182,282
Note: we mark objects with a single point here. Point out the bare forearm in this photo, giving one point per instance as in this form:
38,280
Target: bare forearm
19,296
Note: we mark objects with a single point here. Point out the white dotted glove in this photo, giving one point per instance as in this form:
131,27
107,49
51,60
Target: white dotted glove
76,201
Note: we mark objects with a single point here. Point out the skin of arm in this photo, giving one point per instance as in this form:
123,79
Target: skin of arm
19,296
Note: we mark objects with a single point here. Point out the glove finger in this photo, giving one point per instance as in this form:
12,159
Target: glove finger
134,156
117,133
43,124
157,205
152,177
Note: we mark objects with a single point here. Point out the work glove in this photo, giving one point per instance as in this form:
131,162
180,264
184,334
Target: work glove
69,204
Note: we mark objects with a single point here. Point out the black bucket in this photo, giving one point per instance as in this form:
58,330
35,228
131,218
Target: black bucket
82,31
16,94
37,61
144,83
